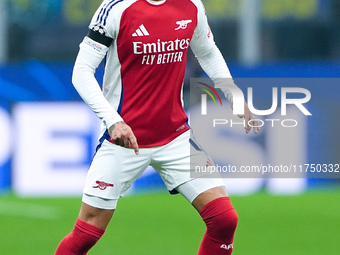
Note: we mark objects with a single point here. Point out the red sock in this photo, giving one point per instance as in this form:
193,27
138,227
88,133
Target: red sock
80,240
221,219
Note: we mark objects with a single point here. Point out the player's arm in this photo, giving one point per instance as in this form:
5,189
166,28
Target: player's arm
213,63
92,51
90,55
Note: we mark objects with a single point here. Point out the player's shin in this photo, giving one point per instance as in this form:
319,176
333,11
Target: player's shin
82,238
221,220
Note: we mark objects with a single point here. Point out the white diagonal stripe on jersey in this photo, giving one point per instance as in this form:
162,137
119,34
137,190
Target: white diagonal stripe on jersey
144,30
139,33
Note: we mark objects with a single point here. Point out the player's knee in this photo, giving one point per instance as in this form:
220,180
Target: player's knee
224,224
221,219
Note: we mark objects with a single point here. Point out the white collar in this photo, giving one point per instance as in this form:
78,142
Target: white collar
156,2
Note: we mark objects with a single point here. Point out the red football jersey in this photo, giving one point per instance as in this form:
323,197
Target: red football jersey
146,63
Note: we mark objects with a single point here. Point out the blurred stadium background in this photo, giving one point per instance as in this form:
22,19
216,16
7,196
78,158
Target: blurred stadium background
47,134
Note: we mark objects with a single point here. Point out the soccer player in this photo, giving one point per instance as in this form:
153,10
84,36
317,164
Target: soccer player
145,43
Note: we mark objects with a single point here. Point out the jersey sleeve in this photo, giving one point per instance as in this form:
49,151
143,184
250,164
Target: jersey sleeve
103,21
89,57
92,51
203,39
208,54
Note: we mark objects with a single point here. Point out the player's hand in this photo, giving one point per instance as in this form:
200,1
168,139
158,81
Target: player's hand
249,119
122,135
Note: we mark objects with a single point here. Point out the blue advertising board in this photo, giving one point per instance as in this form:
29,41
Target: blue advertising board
37,100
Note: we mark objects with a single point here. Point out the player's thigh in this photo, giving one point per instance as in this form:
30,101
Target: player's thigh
200,191
172,161
112,172
176,163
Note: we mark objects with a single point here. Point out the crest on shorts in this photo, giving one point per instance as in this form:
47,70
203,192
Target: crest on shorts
102,185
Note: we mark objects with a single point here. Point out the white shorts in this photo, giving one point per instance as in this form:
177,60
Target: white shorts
114,169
